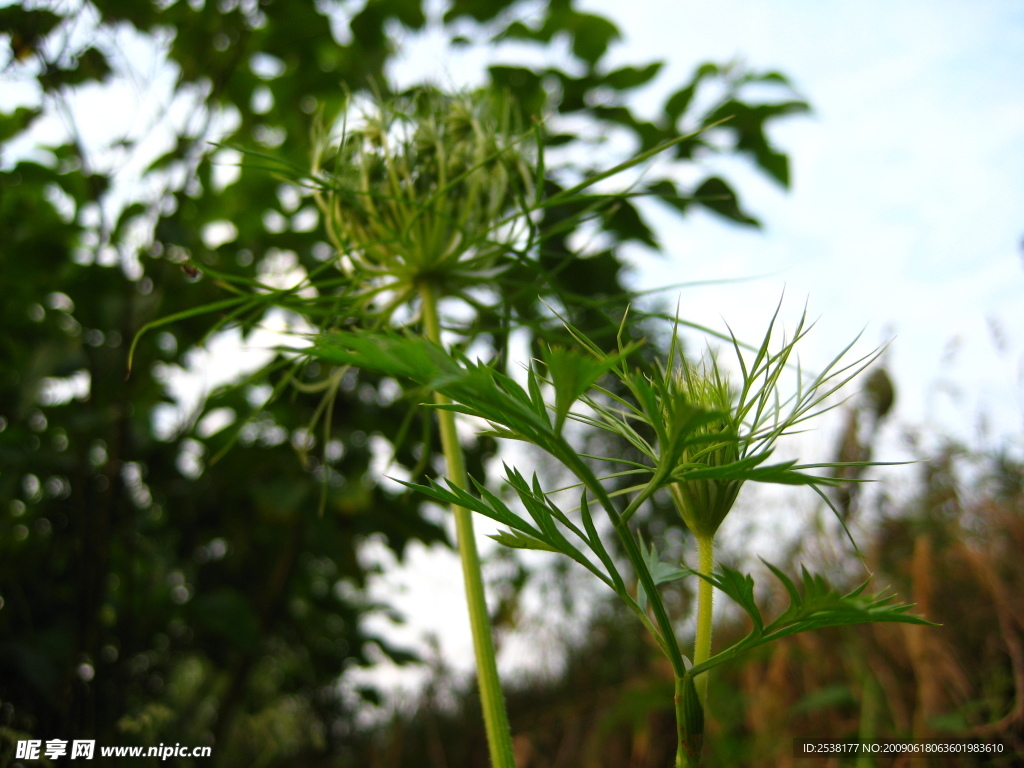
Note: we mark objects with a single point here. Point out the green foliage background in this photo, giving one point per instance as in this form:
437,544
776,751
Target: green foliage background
143,602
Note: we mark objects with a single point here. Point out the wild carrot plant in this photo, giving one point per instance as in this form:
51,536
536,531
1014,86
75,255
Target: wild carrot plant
428,197
698,436
433,198
423,201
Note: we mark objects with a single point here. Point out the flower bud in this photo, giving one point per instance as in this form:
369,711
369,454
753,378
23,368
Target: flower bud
702,496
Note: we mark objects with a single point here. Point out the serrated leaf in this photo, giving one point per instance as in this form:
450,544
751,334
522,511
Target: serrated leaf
661,573
572,374
817,605
491,507
518,540
477,389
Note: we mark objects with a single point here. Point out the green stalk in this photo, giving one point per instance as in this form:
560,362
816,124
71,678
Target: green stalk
705,598
689,724
871,702
499,734
692,692
666,634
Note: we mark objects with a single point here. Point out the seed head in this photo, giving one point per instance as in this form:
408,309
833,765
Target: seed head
426,186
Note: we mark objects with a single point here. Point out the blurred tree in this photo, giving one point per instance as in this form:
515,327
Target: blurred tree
147,597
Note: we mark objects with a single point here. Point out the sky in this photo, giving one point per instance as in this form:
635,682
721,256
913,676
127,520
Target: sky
906,215
905,220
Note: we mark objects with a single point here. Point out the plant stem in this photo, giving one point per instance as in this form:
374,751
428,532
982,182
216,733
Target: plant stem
689,724
499,734
692,692
705,598
665,634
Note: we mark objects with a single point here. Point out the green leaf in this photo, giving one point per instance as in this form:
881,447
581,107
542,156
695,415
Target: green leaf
572,374
476,389
740,587
26,27
536,396
90,66
13,123
141,15
667,191
690,720
747,122
409,12
475,9
517,30
93,64
545,537
390,354
817,605
524,85
716,195
492,507
591,36
661,573
679,101
517,540
545,513
624,220
625,78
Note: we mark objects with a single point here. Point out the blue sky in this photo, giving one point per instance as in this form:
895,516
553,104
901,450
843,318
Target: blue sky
906,215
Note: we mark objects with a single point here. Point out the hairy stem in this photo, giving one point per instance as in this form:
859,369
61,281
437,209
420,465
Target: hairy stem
499,734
